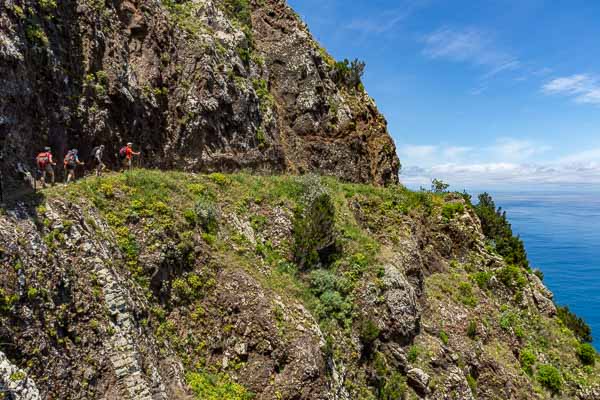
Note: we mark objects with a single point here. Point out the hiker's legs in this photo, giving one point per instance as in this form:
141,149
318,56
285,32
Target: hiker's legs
43,178
50,172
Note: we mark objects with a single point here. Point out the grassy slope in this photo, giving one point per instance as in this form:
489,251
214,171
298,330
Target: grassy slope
146,208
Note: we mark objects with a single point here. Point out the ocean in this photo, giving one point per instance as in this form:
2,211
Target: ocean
561,232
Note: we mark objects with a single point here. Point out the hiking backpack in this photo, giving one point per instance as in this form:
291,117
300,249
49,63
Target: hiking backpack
42,160
123,152
70,159
94,151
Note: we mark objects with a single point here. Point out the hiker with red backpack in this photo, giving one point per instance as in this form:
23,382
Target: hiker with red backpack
126,154
71,162
45,165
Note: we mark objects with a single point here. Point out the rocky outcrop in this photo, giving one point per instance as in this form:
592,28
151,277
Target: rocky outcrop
14,382
165,285
197,85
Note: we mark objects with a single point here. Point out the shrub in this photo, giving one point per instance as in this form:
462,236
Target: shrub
472,329
512,277
413,354
472,384
482,279
219,178
465,292
314,235
538,272
527,359
576,324
586,354
369,332
439,186
394,388
444,337
349,73
207,215
549,377
498,230
451,209
216,387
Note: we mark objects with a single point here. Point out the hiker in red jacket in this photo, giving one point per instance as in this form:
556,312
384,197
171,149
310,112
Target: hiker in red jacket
45,165
126,154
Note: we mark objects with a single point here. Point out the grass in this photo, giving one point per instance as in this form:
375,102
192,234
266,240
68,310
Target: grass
146,209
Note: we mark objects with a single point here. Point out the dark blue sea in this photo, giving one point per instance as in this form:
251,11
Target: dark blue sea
561,232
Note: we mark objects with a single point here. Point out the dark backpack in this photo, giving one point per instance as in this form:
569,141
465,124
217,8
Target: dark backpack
123,152
94,151
70,159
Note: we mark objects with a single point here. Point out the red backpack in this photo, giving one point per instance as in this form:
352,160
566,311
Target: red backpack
43,159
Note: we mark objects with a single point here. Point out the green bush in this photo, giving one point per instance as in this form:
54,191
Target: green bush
451,209
369,332
439,186
349,73
527,359
314,235
472,329
394,388
549,377
482,279
498,230
444,337
586,354
216,387
576,324
207,215
413,354
465,293
512,277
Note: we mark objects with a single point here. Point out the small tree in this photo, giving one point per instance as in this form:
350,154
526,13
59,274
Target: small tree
439,186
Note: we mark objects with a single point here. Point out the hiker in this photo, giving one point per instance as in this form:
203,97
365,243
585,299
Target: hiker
45,163
71,162
97,154
126,154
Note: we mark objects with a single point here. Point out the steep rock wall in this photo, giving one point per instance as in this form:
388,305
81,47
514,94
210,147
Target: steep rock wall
197,85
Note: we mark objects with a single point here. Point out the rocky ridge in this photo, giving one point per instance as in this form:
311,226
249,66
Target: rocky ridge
198,85
154,285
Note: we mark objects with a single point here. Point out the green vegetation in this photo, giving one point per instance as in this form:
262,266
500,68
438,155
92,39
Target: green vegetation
586,354
499,231
413,354
472,384
576,324
36,35
216,387
527,359
444,337
439,186
349,74
472,329
549,377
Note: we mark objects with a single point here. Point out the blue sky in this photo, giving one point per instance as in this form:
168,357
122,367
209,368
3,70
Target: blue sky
482,93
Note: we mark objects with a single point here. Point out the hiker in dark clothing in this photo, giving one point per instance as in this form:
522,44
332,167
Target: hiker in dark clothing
97,155
71,162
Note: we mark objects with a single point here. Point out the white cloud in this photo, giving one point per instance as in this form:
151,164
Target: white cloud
471,46
583,88
516,149
509,162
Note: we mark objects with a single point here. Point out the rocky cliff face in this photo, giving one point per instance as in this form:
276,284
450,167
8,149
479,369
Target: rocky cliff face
153,285
199,85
